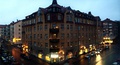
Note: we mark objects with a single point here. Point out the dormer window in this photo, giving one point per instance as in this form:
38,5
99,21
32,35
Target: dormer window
40,18
48,16
69,17
53,9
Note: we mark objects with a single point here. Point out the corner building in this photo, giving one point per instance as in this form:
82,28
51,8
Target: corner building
57,33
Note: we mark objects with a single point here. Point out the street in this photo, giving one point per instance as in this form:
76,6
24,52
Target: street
106,57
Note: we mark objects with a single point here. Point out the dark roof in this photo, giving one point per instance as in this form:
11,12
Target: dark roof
1,26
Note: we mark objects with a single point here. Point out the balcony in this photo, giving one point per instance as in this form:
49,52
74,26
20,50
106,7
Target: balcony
54,50
54,40
54,30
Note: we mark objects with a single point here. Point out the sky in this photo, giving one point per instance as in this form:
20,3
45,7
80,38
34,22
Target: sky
11,10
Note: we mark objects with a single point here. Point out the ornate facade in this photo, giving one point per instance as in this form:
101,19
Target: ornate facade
57,33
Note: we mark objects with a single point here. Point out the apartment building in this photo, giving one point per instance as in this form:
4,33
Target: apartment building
1,26
17,32
56,33
110,28
6,32
11,31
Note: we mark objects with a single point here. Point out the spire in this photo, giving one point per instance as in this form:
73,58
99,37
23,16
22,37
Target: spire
54,2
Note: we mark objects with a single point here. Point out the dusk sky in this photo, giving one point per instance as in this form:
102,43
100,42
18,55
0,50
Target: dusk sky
11,10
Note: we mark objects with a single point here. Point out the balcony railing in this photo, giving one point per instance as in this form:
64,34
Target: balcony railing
54,40
56,30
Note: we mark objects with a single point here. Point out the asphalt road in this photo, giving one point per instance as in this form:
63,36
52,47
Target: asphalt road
106,57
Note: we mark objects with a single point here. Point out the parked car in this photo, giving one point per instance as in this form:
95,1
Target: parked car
92,53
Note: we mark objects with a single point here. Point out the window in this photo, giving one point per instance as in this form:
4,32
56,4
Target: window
34,28
68,44
59,16
71,35
46,36
46,44
19,29
78,20
40,35
41,27
38,27
62,44
34,43
67,35
62,26
34,21
67,26
19,32
53,25
62,36
78,27
69,17
34,36
48,17
46,27
54,36
75,19
30,22
40,19
71,27
53,9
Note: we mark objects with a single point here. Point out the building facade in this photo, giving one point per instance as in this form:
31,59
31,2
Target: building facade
11,31
6,32
1,26
110,28
17,32
99,31
57,33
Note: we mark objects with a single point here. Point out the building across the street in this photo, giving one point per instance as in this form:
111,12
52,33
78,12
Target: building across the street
110,31
56,33
110,28
6,32
1,26
12,32
17,39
